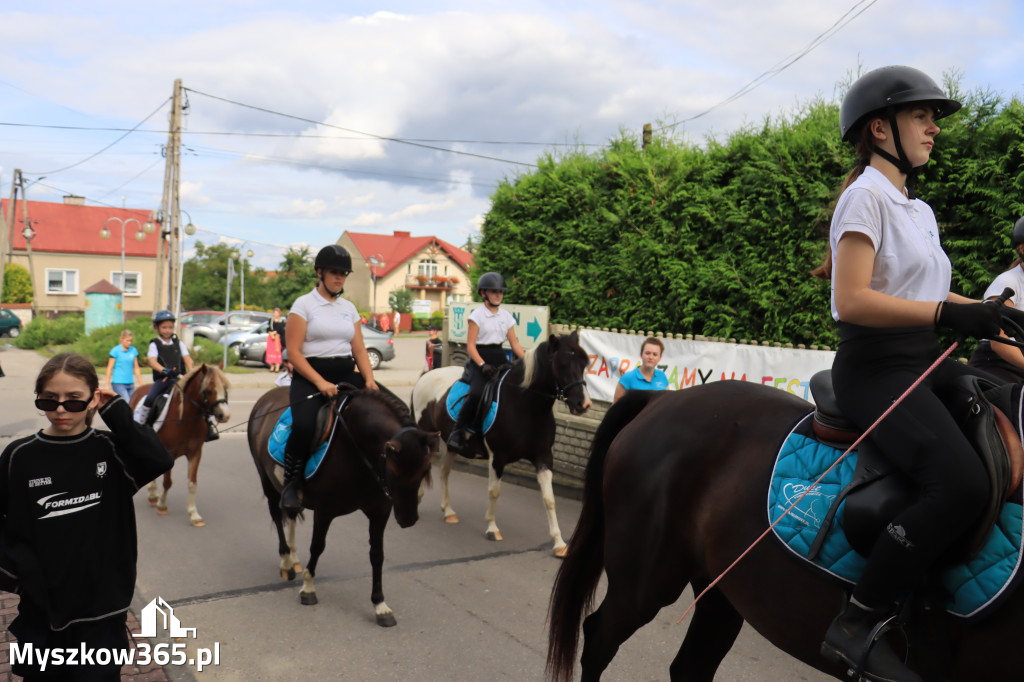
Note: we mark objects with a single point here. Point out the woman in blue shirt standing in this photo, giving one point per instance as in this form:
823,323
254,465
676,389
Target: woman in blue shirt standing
123,372
646,376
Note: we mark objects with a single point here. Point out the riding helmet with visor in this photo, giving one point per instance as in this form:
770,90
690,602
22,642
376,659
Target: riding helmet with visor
490,281
333,257
1018,233
162,316
883,92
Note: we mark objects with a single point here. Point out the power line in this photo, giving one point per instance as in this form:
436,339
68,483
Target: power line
786,62
93,156
359,132
304,135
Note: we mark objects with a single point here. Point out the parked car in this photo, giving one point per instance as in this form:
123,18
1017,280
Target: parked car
236,320
10,324
197,317
379,346
234,339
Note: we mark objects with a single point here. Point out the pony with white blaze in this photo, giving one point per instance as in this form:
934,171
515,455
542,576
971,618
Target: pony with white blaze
524,424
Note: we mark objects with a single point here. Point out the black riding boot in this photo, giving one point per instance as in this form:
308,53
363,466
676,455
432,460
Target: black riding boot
211,429
458,437
291,493
848,641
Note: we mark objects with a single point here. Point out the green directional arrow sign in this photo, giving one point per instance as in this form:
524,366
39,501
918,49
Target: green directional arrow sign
531,322
533,329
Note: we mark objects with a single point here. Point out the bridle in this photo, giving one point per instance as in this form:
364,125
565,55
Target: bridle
376,465
206,407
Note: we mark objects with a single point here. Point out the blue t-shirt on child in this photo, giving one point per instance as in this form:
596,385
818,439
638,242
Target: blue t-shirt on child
634,380
124,364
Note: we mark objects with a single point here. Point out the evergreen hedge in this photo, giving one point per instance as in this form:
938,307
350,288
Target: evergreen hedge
719,239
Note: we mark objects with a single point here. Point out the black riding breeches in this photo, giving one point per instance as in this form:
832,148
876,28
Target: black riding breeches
872,368
335,370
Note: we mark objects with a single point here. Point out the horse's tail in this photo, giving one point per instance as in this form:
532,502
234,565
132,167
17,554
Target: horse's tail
577,578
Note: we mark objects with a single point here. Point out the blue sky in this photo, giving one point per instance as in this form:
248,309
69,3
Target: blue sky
482,78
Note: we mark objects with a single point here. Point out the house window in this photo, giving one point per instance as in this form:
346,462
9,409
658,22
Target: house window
61,281
132,282
427,268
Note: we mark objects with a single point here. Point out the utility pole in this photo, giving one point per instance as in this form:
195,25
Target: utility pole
28,233
5,231
170,216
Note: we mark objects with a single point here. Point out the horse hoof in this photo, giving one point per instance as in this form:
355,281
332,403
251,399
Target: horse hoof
307,598
288,575
452,518
198,524
495,536
560,552
152,501
161,512
387,620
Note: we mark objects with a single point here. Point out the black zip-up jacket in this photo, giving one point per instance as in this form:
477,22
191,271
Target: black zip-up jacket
68,542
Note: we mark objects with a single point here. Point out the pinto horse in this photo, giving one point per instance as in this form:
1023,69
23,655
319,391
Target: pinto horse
524,427
675,491
376,461
196,395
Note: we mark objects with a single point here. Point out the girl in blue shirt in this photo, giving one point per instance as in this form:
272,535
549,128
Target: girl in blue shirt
123,367
646,376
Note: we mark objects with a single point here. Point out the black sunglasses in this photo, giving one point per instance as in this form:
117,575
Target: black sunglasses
51,405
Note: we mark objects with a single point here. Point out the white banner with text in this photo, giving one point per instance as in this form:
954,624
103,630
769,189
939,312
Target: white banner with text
690,363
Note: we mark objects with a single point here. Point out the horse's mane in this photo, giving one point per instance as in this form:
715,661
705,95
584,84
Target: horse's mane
392,402
530,364
183,380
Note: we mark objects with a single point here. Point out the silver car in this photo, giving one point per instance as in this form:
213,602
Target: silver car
236,320
379,346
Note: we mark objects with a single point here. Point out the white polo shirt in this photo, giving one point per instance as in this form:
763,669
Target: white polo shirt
330,325
1011,278
909,260
493,326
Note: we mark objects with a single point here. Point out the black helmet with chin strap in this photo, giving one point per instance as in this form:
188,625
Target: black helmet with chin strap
333,257
1018,233
492,281
881,93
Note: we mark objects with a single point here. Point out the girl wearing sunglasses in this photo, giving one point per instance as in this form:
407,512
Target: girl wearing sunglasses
66,491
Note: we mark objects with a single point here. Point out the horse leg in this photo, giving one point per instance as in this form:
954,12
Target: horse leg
285,542
493,493
385,616
547,493
447,459
711,634
161,503
193,480
307,596
152,497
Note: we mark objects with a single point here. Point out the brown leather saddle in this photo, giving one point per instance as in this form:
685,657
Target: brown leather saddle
879,491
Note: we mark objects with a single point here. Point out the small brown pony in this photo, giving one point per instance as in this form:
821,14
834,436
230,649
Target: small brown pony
524,427
676,490
376,461
196,395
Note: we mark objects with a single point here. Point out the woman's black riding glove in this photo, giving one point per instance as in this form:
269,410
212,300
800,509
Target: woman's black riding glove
489,370
980,320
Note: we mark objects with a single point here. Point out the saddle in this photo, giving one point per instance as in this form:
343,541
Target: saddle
879,491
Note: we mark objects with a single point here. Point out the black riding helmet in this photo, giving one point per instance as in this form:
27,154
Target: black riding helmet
881,93
333,257
1018,233
492,281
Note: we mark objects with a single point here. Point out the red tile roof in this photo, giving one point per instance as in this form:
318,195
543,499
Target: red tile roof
68,228
399,247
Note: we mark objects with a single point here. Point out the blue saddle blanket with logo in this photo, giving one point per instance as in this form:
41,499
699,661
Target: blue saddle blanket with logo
973,586
457,398
279,439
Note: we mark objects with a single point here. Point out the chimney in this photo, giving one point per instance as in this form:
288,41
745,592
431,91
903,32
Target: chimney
403,235
73,200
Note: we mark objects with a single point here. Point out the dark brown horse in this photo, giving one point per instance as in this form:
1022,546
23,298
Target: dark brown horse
675,491
196,395
524,427
377,461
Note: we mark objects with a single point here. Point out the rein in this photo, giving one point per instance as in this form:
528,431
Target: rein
377,467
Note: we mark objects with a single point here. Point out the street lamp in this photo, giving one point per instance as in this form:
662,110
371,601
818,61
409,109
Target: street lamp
237,254
140,234
375,261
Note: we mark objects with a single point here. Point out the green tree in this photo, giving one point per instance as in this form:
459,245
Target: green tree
295,277
400,300
204,284
17,284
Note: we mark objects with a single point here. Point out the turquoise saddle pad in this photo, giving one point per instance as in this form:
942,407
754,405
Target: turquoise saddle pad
279,438
973,585
457,396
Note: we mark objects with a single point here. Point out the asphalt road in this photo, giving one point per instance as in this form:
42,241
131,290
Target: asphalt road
467,608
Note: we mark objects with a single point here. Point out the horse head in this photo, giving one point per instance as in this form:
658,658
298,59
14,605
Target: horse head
212,393
406,453
568,363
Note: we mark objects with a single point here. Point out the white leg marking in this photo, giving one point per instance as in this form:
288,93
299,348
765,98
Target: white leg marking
548,495
193,513
447,459
153,496
307,583
493,492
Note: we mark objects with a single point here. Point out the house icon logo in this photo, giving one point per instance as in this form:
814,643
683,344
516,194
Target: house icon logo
158,609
